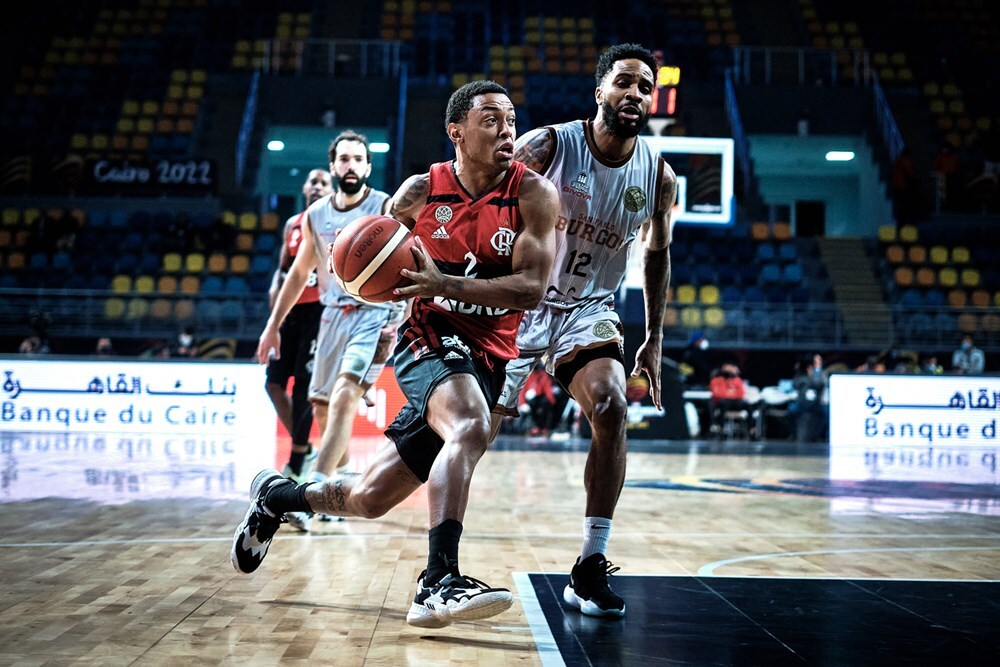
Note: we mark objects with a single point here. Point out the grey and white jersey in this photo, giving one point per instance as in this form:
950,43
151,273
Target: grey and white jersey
602,205
324,220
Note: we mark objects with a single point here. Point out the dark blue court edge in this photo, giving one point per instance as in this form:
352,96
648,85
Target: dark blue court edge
775,622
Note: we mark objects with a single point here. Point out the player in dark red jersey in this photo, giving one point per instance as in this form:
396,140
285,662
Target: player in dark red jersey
485,243
298,336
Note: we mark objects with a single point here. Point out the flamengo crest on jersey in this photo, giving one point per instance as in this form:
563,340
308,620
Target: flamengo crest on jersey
326,221
602,207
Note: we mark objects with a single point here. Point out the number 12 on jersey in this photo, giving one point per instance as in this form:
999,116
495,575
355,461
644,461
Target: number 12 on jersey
576,264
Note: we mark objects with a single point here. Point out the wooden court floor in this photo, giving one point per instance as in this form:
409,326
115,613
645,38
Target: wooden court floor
115,551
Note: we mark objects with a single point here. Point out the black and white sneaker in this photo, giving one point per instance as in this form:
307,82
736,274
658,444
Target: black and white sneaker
588,588
253,535
455,598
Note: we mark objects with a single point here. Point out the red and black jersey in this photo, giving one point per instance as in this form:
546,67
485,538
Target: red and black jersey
293,239
472,237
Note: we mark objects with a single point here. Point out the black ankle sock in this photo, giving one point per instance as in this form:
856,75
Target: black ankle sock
296,460
287,498
442,559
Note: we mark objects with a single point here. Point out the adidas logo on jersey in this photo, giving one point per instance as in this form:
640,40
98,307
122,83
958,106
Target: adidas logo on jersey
440,233
452,356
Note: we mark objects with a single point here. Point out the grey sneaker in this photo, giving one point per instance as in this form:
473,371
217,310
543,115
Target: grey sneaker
299,520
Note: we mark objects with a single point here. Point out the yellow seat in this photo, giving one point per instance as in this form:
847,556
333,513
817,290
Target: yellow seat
194,263
708,294
121,284
715,317
686,294
939,255
960,255
247,221
114,308
970,277
908,234
136,309
948,277
172,262
887,233
691,318
144,285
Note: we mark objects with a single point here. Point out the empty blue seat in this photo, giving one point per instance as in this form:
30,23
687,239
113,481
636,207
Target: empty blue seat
911,298
765,252
212,285
770,274
935,297
730,294
792,274
236,285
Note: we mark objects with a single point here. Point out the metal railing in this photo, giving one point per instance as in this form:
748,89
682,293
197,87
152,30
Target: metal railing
74,313
801,67
332,57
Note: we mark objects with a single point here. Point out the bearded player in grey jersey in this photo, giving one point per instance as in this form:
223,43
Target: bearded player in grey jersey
613,189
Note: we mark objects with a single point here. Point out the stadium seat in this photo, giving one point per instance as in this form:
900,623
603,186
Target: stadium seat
184,309
895,254
166,284
947,277
121,284
114,308
190,285
903,276
161,309
968,323
708,294
960,255
935,298
980,298
957,298
908,234
887,233
781,231
970,278
144,285
938,255
916,254
926,276
686,294
217,263
172,262
691,318
194,263
714,317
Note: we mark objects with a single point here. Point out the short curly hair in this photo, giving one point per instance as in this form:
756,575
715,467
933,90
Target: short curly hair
461,100
623,52
350,135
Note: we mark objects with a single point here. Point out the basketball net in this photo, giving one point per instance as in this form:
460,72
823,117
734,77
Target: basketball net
658,125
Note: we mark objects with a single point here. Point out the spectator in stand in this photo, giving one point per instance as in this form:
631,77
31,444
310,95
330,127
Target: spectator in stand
104,349
968,359
185,345
946,165
930,366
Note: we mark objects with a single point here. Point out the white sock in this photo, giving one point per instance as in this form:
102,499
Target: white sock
596,532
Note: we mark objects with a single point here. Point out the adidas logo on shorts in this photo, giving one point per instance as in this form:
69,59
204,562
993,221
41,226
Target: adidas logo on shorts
451,356
440,233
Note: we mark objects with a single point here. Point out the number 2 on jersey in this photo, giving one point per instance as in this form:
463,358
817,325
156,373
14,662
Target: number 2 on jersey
578,262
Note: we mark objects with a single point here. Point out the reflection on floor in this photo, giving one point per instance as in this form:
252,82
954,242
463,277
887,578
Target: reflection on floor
775,622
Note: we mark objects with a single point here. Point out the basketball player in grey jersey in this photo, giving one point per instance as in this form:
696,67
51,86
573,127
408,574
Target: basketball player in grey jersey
355,338
612,189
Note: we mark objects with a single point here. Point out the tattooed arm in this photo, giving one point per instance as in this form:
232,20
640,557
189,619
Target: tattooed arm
536,149
411,196
656,280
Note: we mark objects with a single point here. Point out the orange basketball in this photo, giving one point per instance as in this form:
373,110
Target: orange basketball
368,255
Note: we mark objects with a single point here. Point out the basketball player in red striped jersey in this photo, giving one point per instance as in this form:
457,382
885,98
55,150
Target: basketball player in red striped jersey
485,241
298,334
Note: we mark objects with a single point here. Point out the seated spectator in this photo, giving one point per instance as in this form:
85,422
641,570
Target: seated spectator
811,406
539,398
728,393
968,359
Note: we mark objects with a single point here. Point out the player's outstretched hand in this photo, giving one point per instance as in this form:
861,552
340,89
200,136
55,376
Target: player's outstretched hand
268,346
647,360
427,280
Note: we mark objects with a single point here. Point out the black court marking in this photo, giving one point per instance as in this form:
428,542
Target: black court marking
767,621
